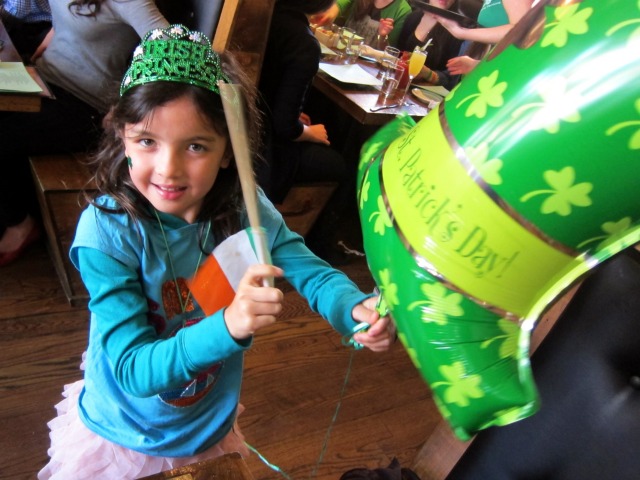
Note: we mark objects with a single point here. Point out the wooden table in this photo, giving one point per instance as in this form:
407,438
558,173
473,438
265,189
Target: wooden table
357,100
226,467
16,101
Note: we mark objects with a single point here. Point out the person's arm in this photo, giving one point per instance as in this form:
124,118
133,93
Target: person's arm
316,133
447,79
515,9
298,56
142,15
399,14
461,65
327,17
43,45
120,311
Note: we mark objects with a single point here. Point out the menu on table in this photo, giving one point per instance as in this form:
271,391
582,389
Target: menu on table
14,77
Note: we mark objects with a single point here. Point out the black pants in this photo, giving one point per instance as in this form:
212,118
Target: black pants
64,125
26,37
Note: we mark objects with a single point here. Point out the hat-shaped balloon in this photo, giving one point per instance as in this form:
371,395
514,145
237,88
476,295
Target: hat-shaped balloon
478,217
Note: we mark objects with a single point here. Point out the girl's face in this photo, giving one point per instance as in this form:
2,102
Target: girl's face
175,158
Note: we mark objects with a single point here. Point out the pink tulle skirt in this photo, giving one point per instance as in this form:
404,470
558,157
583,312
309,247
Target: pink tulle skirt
78,453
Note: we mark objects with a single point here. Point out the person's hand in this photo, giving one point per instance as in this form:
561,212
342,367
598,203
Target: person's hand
254,306
304,118
43,46
314,133
386,26
382,332
454,28
461,65
327,17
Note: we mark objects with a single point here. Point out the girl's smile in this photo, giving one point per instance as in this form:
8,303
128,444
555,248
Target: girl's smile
175,157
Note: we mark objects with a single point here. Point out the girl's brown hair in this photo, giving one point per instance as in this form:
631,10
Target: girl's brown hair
223,204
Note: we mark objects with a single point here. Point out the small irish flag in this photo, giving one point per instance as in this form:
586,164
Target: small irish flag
215,283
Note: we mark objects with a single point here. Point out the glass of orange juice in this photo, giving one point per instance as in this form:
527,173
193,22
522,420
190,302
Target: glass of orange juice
416,62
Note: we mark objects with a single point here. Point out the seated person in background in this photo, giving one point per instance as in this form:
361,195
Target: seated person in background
83,64
296,150
379,22
422,26
497,18
27,22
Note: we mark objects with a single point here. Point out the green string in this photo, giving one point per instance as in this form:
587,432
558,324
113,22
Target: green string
273,467
347,340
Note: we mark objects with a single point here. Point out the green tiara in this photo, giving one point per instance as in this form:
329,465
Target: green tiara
174,54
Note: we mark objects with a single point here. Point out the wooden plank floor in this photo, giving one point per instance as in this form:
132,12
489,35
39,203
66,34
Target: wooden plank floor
293,378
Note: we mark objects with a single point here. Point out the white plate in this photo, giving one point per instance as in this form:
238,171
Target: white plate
368,58
425,96
350,74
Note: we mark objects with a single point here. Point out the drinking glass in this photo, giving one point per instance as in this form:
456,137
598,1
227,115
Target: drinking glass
391,79
390,56
346,36
391,52
416,62
352,50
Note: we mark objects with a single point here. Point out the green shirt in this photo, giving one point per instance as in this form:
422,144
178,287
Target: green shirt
493,14
367,27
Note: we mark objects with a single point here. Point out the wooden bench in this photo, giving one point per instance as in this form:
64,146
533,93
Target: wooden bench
60,180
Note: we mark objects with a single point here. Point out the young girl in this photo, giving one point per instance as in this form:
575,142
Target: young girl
162,378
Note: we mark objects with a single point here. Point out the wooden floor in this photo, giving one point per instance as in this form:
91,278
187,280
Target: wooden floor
293,379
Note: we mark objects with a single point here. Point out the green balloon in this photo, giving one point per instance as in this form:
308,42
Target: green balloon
479,216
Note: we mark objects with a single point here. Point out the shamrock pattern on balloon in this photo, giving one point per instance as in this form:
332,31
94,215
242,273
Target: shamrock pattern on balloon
460,385
612,231
558,102
413,354
634,140
388,289
489,169
439,304
634,36
490,94
563,194
363,195
568,20
509,339
380,218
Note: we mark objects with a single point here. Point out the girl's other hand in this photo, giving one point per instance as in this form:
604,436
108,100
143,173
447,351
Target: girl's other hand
327,17
461,65
43,46
254,305
454,28
382,332
386,26
314,133
305,119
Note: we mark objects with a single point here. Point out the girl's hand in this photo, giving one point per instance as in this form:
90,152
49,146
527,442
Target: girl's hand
381,334
305,119
327,17
461,65
254,306
386,26
454,28
314,133
43,46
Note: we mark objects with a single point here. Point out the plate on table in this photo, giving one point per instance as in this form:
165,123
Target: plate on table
350,74
461,20
370,54
425,96
368,58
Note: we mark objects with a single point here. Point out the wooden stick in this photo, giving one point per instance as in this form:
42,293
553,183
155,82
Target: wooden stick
232,102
